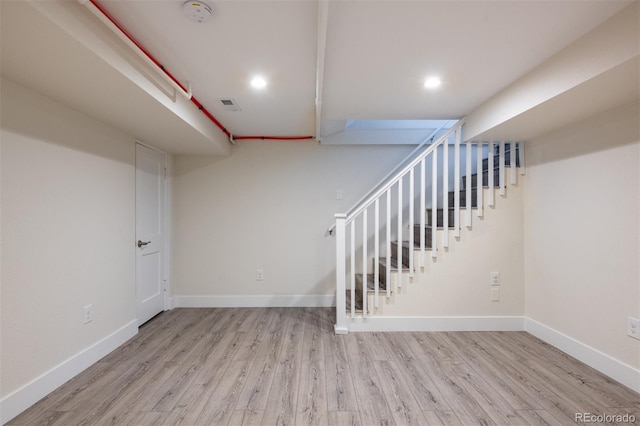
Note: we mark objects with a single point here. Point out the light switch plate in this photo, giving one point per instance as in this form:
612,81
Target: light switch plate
633,327
495,278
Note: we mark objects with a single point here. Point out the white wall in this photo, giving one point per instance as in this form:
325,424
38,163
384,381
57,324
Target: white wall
67,241
582,235
458,282
267,206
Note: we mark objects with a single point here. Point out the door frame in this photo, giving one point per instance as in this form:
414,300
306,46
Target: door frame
166,229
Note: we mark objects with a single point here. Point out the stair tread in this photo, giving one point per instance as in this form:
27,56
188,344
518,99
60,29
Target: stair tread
405,244
371,286
449,208
416,245
357,305
439,227
394,264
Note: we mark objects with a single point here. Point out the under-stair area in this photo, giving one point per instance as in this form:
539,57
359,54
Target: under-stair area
385,242
407,251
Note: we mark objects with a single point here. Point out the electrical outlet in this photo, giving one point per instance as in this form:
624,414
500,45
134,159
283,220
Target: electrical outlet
259,274
633,327
87,313
495,278
495,294
339,194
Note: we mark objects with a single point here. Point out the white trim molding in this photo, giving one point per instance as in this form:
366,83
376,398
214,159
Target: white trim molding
21,399
172,303
462,323
256,301
617,370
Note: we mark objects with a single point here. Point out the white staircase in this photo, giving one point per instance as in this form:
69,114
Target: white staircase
407,210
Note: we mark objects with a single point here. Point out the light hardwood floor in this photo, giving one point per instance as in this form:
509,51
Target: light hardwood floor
285,366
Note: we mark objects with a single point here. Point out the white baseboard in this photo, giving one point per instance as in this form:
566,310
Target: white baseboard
618,371
21,399
171,303
255,301
506,323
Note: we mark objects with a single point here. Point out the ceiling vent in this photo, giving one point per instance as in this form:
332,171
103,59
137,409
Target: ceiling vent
229,104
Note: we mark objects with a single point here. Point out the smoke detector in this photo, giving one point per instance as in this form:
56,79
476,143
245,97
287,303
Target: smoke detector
197,11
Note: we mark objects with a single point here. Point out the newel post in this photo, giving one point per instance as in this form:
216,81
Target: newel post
341,299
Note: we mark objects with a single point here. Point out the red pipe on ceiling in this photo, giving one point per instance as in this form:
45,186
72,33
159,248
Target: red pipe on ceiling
281,138
193,98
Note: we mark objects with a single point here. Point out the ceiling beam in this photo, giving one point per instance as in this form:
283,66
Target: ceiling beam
323,13
611,44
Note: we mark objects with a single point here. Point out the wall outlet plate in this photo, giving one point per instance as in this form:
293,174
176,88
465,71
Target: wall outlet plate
259,274
87,313
633,327
495,294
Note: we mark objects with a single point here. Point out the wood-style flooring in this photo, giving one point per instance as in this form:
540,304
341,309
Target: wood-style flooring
285,366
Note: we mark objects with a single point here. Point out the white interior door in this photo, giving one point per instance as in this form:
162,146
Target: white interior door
150,219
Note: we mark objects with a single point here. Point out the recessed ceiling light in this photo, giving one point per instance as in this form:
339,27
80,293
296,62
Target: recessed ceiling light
432,82
258,82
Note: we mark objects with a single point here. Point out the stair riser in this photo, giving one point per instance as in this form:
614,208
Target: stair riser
358,300
440,216
427,237
485,180
370,282
393,275
405,254
371,309
463,198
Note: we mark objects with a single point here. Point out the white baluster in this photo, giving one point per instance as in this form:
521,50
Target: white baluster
399,236
512,162
434,203
411,221
456,186
364,264
491,174
376,251
352,271
388,263
523,168
502,182
479,178
341,302
467,186
445,193
423,210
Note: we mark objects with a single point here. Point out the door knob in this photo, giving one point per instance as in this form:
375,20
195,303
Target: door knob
143,243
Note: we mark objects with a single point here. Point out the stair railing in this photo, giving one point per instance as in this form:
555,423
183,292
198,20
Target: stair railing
356,220
385,179
360,212
390,194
